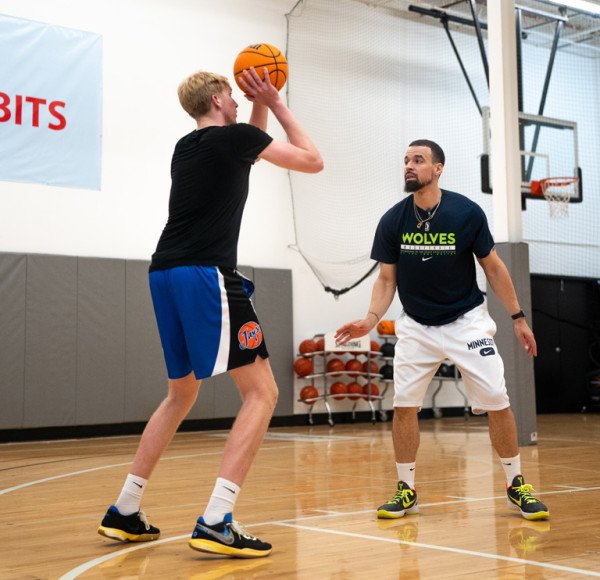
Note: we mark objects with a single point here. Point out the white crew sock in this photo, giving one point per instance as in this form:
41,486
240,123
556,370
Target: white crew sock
512,467
222,501
131,495
406,473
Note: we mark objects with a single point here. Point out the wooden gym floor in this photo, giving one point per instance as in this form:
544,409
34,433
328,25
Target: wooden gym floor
312,493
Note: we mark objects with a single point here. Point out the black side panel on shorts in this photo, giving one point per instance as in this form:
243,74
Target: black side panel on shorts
247,341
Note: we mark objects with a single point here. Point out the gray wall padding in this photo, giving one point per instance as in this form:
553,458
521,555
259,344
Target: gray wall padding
50,341
100,341
518,367
79,344
12,339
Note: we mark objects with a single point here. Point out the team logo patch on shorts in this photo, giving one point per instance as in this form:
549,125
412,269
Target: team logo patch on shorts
250,335
487,351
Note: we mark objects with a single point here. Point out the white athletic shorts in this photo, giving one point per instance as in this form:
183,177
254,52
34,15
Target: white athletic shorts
468,342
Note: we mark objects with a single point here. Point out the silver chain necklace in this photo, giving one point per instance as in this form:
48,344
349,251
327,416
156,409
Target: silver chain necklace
421,220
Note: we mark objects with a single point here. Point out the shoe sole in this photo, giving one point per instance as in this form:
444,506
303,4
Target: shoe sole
541,515
115,534
216,548
386,515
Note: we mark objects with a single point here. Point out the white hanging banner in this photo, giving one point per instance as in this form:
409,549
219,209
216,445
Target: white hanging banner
50,104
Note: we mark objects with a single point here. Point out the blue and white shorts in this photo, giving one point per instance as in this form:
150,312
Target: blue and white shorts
206,321
468,342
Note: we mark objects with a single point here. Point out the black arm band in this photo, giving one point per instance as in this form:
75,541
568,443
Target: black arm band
519,314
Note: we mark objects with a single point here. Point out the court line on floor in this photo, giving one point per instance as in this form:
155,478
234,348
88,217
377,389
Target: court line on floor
99,468
75,572
460,551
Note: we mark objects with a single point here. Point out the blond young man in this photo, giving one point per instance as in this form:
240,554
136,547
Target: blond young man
206,320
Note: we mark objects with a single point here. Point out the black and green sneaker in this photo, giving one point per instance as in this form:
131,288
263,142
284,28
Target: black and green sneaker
519,497
228,538
403,502
132,528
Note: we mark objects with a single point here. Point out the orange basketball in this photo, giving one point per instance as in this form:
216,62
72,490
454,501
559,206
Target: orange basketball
371,390
354,365
386,327
375,346
335,365
260,56
320,344
370,367
309,392
339,390
307,346
354,388
303,366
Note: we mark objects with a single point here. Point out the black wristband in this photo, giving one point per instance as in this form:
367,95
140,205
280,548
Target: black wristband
518,315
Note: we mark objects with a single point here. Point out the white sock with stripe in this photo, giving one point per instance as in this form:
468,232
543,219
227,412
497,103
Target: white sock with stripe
131,495
222,501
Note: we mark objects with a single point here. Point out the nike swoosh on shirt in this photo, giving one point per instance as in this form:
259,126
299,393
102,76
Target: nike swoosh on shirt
225,538
425,259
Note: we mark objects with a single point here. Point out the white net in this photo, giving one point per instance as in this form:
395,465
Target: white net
558,191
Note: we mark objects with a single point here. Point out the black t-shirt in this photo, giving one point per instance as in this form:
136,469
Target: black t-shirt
209,186
435,268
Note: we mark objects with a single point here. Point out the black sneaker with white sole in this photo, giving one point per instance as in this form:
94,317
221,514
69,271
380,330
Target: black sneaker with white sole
228,538
132,528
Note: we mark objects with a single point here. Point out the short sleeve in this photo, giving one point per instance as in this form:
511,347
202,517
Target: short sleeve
248,141
483,242
385,245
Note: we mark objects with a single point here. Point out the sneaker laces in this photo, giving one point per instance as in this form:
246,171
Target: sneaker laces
401,494
241,530
144,519
525,492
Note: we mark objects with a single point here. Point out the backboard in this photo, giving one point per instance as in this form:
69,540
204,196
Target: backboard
548,149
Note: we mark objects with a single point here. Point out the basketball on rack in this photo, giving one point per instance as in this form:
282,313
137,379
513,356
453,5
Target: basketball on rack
370,367
320,343
354,389
386,327
354,365
387,350
375,346
336,365
309,392
387,371
260,56
307,346
303,366
338,390
371,390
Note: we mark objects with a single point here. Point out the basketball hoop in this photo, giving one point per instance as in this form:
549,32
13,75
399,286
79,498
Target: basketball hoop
557,191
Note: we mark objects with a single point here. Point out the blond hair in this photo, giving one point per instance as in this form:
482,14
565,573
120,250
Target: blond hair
195,92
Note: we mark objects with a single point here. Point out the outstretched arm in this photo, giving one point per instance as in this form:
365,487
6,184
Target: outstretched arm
383,293
500,281
300,154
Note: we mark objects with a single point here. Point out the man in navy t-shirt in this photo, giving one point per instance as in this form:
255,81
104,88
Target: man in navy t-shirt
206,321
425,246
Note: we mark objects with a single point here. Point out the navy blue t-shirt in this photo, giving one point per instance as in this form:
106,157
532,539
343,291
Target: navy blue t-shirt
435,268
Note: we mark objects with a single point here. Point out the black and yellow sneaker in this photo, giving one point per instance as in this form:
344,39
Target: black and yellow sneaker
403,502
519,497
228,538
132,528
